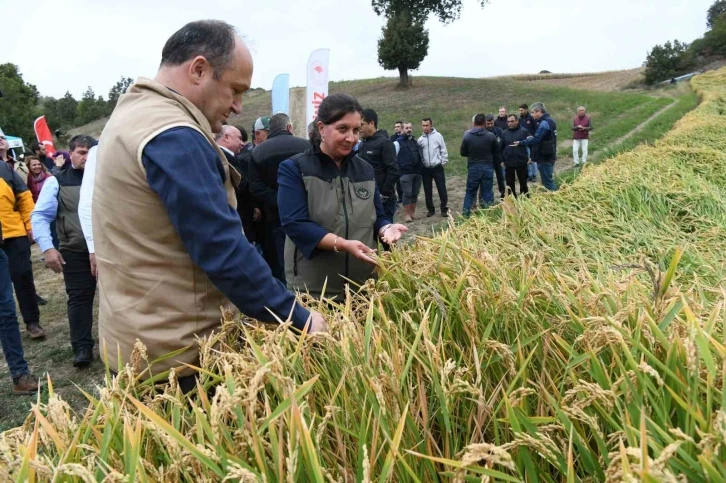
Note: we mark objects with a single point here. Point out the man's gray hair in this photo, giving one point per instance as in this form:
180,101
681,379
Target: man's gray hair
537,106
212,39
225,129
279,122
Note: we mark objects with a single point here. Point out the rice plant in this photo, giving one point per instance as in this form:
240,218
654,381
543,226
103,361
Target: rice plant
574,336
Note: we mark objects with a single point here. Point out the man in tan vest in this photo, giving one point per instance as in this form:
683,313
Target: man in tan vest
169,244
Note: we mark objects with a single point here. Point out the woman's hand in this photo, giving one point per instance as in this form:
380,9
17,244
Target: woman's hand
359,250
393,233
59,161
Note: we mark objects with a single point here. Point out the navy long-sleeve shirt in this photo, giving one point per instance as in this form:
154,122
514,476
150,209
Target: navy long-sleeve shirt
187,174
292,200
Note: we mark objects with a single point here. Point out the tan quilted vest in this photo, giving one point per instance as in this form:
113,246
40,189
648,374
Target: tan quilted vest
148,285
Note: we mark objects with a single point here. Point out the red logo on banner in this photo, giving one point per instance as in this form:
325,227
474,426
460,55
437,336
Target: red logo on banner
318,74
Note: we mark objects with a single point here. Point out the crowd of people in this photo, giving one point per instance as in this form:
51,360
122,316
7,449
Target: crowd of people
176,214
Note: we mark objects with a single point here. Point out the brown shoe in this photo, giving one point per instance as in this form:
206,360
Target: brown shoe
27,385
35,331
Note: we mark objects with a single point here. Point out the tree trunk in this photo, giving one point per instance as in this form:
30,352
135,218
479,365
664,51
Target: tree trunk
403,77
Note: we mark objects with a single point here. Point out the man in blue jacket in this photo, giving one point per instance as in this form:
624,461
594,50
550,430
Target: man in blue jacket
543,145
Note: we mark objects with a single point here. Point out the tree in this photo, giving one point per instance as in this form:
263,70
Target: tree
666,61
410,15
90,108
18,104
446,10
116,91
715,11
404,45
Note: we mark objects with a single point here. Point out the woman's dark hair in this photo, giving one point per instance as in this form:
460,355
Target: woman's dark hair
336,106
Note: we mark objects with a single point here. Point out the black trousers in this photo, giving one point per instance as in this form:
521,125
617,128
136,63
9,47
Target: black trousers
21,273
438,176
522,175
501,177
81,290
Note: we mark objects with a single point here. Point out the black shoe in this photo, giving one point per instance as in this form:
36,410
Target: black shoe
40,300
430,214
83,357
445,214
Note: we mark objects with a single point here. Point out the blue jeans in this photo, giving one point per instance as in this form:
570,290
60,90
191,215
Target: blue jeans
547,173
389,206
479,177
532,170
9,331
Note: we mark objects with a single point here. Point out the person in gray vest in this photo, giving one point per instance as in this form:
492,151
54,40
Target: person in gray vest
331,208
58,201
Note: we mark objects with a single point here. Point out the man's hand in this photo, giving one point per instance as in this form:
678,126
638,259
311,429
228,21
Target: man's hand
59,161
503,166
31,238
529,161
257,215
94,267
514,144
359,250
54,260
316,323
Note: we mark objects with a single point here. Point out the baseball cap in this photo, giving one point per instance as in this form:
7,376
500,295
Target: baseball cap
262,124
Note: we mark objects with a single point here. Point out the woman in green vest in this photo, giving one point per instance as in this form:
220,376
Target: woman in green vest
330,207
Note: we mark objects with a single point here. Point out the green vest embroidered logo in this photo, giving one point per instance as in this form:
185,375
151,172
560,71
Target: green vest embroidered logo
362,192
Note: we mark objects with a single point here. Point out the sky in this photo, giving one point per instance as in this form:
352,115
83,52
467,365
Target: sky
93,43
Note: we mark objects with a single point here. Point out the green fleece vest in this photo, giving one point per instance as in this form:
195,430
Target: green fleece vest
342,202
70,233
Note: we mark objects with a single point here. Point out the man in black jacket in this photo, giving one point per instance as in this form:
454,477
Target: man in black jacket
515,158
230,140
527,122
483,153
266,158
380,153
501,120
409,163
498,171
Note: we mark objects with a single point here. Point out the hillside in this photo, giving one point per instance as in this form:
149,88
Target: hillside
452,102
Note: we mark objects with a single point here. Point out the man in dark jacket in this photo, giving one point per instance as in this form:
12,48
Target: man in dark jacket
515,158
498,171
266,158
543,145
527,122
409,162
483,152
230,140
501,120
380,153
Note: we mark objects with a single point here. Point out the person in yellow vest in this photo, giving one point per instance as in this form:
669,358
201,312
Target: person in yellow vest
169,245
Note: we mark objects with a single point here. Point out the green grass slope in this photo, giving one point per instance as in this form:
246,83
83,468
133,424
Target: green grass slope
452,102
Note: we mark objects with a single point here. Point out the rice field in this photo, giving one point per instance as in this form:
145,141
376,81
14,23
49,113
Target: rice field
576,336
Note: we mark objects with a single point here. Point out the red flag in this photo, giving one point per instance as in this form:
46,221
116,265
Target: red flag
42,132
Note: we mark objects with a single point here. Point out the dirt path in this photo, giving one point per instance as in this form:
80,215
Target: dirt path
639,127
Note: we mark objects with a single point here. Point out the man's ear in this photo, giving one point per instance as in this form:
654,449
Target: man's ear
198,68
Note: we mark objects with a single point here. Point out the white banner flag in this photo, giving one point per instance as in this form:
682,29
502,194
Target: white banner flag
317,88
